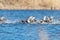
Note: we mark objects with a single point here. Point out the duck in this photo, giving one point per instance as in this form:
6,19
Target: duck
2,19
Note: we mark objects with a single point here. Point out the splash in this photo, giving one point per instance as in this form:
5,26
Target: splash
10,21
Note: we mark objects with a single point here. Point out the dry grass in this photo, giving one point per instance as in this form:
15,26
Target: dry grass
29,4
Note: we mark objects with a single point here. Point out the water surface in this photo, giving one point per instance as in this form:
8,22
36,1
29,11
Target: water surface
20,31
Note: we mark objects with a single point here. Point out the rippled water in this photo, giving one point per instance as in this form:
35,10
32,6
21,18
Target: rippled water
20,31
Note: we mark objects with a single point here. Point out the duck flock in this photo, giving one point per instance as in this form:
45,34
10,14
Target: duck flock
33,20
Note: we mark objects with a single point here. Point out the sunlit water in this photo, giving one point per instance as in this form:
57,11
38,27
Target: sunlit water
20,31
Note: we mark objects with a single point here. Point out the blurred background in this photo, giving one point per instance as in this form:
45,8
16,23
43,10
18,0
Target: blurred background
30,4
